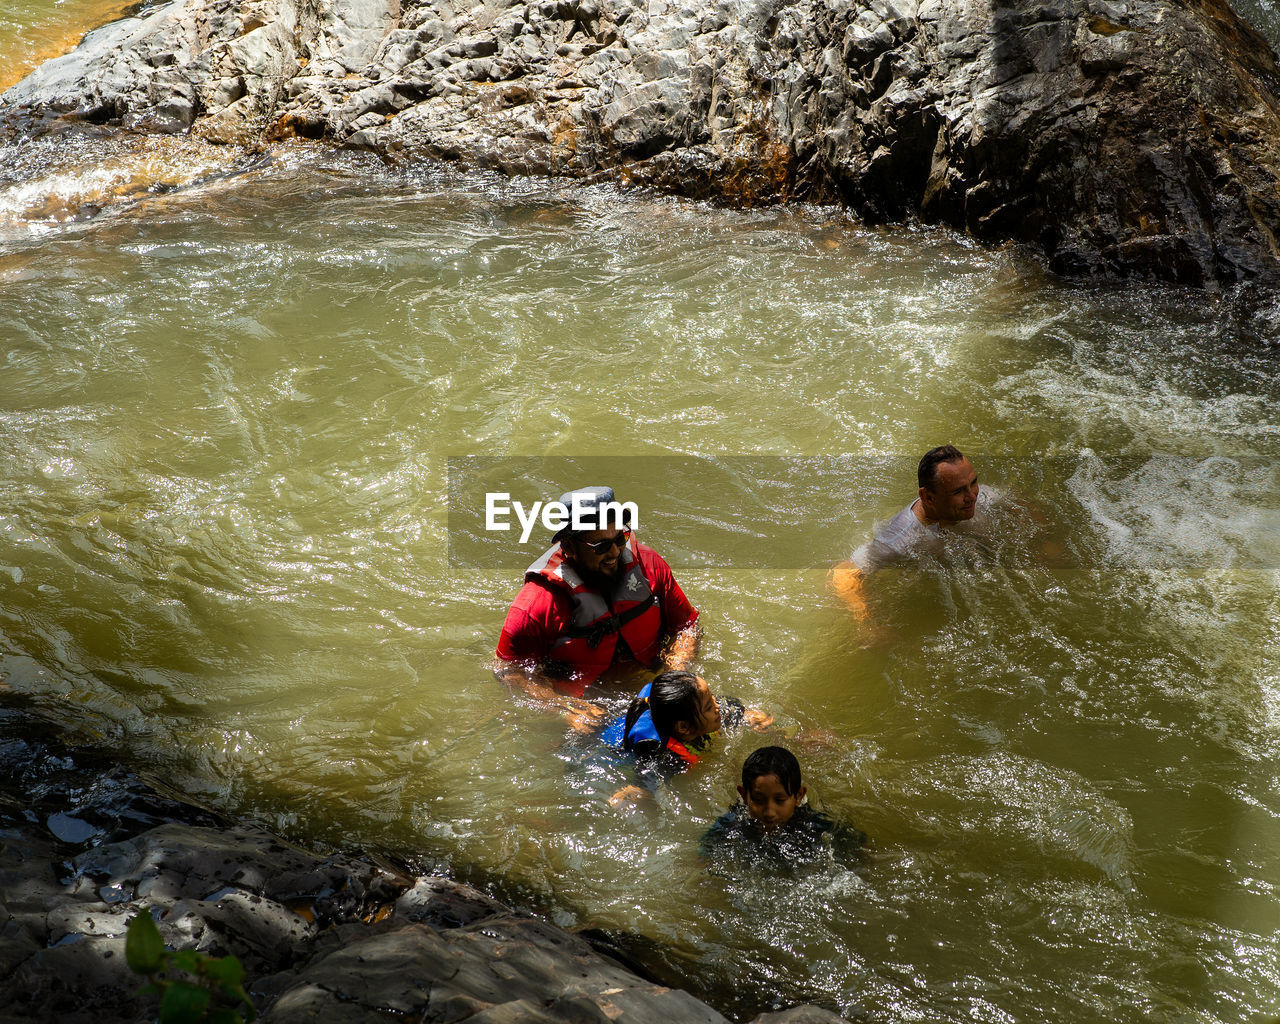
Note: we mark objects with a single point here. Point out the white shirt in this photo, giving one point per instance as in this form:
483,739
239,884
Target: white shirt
904,538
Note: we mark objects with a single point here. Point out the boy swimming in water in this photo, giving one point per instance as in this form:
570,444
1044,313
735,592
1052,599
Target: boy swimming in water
771,788
772,820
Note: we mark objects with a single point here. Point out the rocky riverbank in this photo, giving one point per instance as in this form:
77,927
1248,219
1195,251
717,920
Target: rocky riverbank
1117,136
85,845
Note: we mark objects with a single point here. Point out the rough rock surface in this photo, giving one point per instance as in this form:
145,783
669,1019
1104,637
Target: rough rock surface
1119,136
84,847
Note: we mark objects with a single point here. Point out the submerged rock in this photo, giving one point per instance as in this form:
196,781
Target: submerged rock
1119,136
338,938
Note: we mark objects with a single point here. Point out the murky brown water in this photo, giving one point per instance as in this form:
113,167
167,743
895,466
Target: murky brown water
227,419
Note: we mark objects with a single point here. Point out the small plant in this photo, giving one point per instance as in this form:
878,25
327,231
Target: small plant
190,985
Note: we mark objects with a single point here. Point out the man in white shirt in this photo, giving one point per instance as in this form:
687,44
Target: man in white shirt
949,497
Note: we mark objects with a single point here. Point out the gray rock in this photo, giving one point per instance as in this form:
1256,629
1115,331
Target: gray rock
343,35
336,938
800,1015
227,63
507,969
80,978
1137,137
442,903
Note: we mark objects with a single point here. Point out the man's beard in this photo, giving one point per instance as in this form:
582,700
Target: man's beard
598,580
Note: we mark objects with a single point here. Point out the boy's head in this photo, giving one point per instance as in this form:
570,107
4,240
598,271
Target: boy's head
771,786
683,706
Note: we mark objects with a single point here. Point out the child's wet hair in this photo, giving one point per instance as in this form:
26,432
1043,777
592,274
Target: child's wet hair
777,761
673,697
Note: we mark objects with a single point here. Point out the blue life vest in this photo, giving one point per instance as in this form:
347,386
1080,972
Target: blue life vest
615,734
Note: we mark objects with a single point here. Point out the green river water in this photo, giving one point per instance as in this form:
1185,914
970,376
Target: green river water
231,411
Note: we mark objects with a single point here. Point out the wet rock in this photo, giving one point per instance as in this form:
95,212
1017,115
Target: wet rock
226,63
507,969
337,938
800,1015
343,37
80,978
1118,136
442,903
70,829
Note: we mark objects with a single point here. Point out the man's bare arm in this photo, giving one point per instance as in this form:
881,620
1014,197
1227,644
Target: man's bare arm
528,679
682,649
845,581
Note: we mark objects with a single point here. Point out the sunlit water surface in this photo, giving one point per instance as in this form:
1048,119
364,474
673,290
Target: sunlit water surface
228,416
31,31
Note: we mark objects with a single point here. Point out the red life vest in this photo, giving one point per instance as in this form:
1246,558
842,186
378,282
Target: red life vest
589,644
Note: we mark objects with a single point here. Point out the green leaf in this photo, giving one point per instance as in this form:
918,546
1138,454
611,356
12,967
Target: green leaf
183,1003
187,960
143,946
226,971
236,992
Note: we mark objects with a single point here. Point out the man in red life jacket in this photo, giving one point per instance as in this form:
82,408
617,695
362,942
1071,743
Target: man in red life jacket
596,598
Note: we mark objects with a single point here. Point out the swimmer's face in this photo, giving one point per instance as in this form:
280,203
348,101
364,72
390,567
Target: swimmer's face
708,715
768,801
608,560
954,495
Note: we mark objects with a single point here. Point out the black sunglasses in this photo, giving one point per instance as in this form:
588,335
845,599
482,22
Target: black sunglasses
601,546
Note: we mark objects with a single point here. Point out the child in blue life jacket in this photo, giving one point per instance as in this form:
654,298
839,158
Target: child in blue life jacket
671,724
772,824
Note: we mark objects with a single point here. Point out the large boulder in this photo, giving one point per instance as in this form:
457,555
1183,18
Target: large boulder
1118,136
